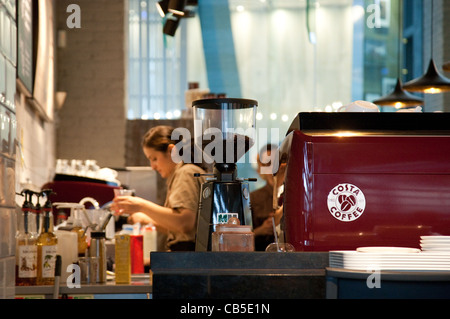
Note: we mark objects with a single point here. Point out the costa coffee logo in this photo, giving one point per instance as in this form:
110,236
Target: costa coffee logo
346,202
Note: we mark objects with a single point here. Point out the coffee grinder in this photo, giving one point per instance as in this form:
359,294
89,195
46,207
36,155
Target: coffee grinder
224,130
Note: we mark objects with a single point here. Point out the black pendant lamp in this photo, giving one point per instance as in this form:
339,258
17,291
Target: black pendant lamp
399,98
177,7
171,25
432,81
163,7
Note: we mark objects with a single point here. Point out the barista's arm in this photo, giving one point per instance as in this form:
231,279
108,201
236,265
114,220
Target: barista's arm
175,220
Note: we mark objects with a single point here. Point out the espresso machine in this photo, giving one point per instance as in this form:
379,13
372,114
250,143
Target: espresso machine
366,179
224,130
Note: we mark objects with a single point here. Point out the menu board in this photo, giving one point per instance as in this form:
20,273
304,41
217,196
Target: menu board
25,67
44,85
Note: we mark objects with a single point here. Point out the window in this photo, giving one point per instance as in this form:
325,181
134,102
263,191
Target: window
156,71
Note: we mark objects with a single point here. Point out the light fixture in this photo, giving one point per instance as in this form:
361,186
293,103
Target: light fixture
173,10
432,81
171,25
399,98
177,7
163,7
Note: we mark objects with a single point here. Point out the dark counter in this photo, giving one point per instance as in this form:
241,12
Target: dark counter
360,284
242,275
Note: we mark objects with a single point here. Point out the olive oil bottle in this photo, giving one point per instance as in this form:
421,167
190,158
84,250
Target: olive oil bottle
26,249
46,246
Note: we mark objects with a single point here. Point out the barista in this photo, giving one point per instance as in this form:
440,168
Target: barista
178,216
261,200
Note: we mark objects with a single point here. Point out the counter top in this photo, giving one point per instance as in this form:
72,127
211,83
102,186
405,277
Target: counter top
238,275
360,284
140,284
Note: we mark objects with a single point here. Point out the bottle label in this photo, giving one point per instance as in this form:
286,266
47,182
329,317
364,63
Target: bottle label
27,261
48,261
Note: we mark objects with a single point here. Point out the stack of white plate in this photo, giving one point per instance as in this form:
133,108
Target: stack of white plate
389,258
438,244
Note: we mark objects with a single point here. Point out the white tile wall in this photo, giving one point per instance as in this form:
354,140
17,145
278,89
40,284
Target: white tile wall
8,126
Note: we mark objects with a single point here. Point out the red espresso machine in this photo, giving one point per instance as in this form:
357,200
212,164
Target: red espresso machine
366,179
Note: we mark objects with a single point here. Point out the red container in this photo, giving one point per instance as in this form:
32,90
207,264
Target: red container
366,187
137,254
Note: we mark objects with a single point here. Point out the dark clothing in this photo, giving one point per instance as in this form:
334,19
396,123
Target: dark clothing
261,202
183,246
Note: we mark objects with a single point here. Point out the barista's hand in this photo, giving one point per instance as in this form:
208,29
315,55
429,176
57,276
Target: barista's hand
278,214
127,204
266,228
141,218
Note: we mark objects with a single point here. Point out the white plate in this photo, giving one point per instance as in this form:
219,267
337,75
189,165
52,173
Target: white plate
436,246
394,250
435,238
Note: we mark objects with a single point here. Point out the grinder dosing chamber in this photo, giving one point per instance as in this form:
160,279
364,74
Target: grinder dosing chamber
224,129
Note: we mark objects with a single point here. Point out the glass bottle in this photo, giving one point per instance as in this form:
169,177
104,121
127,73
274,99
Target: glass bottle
79,230
46,244
37,213
26,249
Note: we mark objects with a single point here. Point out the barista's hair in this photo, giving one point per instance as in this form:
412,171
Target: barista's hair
159,138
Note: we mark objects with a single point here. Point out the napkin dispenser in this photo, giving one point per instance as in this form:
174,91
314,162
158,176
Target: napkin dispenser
366,179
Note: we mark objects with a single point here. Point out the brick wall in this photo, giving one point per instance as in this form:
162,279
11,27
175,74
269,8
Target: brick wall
91,69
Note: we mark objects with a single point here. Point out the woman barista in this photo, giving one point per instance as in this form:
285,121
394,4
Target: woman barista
178,216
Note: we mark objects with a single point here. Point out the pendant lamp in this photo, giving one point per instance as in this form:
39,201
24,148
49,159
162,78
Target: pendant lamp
432,81
177,7
171,25
163,7
399,98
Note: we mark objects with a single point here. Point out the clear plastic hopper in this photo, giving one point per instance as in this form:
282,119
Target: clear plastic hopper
224,129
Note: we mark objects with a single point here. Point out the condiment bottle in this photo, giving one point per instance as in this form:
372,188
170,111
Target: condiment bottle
122,251
80,231
136,252
46,244
26,249
98,249
150,241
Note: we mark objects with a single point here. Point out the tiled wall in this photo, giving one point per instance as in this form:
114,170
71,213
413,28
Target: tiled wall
8,54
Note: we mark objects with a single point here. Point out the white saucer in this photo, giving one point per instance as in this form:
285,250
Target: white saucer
380,249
